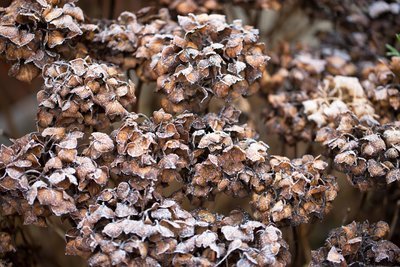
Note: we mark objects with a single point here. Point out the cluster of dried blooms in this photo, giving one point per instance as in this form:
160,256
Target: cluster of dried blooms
131,225
360,244
213,154
34,33
316,99
364,149
363,28
294,191
294,78
338,95
47,174
211,57
44,174
81,93
381,83
207,154
130,41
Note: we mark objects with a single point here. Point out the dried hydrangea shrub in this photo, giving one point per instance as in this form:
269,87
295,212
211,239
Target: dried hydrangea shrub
211,57
365,150
32,31
44,174
381,82
358,244
136,226
294,191
294,77
80,93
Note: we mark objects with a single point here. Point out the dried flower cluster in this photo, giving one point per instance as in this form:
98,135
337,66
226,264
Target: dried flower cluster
32,31
338,95
381,83
294,79
362,28
47,174
364,149
130,41
347,115
223,157
297,191
129,225
211,57
360,244
82,93
44,174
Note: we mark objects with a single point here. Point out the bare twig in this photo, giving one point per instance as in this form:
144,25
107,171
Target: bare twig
394,220
305,245
111,9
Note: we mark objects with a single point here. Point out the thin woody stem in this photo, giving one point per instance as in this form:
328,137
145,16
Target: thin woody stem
138,93
394,220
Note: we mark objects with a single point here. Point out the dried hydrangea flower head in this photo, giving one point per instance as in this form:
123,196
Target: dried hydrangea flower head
361,28
211,57
131,40
81,93
31,31
361,244
365,150
44,174
213,154
294,191
382,84
131,226
294,79
338,95
187,148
